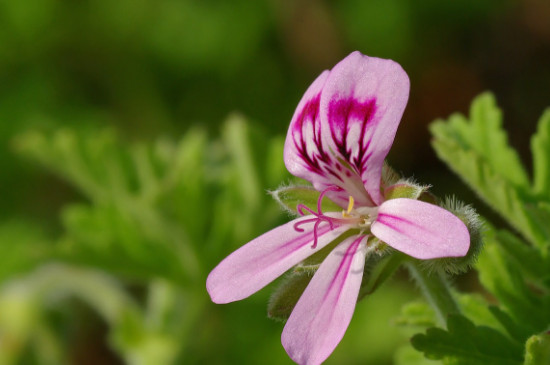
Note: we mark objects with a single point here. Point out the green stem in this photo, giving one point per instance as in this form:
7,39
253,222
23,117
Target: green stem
436,290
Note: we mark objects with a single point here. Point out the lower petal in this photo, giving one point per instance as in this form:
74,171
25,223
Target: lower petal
322,315
421,230
265,258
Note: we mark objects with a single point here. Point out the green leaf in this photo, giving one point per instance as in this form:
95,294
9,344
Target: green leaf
466,344
478,152
417,315
23,246
289,197
537,350
540,147
406,355
505,281
527,258
483,133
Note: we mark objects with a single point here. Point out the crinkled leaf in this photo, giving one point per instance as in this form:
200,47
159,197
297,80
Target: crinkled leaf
466,344
513,328
477,151
482,132
527,258
406,355
505,281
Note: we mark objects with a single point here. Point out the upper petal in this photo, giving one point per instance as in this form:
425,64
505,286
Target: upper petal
323,312
421,230
361,106
344,126
265,258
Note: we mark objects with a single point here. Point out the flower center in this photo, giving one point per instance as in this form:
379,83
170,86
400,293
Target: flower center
360,218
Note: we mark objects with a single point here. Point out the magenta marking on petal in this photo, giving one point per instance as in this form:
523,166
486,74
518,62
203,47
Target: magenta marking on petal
309,114
388,220
296,243
343,268
343,112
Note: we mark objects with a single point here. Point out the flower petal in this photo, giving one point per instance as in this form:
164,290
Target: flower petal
304,153
265,258
323,312
421,230
361,106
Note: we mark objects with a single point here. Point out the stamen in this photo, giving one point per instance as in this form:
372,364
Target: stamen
346,213
319,201
319,216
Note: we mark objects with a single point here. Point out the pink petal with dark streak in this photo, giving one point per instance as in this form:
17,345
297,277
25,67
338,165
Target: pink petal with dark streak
322,315
361,106
265,258
421,230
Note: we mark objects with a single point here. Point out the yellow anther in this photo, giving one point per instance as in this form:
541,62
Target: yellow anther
346,213
350,204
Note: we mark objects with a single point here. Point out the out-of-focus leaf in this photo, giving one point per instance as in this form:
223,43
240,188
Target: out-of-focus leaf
466,344
418,315
477,150
537,350
540,146
23,246
504,280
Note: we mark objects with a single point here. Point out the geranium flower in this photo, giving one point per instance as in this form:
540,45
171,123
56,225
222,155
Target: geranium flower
338,139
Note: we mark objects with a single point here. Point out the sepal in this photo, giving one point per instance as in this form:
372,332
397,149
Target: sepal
405,189
285,297
289,197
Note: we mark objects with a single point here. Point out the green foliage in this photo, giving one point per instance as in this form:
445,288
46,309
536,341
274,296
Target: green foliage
156,216
478,152
514,272
540,145
23,245
538,350
466,344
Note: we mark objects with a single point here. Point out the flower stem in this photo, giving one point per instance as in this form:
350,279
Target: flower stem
436,290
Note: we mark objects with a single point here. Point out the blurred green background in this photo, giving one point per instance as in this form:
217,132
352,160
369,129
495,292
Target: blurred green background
138,139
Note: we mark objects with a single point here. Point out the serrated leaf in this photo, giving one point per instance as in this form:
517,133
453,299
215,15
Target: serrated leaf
505,281
540,147
406,355
475,308
466,344
289,197
477,151
516,331
527,258
537,350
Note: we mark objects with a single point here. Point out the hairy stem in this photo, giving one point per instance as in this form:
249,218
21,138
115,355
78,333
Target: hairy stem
436,290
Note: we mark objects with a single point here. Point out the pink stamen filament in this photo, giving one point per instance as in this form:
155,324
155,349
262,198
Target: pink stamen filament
320,217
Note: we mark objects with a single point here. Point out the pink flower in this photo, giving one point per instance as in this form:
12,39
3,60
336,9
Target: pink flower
338,139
